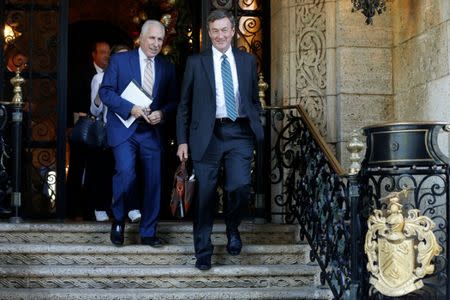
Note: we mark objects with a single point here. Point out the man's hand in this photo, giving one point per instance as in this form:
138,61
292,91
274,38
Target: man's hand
139,112
155,117
77,115
182,152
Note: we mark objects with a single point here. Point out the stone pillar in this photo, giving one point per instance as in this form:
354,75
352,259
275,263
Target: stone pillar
279,69
363,73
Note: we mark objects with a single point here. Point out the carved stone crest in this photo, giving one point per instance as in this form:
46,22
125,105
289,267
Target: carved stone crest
399,249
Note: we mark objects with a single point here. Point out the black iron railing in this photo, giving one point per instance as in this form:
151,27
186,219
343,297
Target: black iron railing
310,188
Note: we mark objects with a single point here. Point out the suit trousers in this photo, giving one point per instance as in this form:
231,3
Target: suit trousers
231,147
79,202
143,147
99,172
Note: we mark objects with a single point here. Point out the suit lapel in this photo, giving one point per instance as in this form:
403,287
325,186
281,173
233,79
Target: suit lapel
208,65
158,75
92,71
135,66
239,69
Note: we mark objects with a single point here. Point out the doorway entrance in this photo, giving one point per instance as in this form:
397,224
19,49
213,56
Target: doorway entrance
57,35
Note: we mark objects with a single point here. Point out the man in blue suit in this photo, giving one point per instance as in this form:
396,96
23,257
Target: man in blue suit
141,143
218,122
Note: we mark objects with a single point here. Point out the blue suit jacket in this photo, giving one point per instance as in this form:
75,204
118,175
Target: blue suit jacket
124,67
197,109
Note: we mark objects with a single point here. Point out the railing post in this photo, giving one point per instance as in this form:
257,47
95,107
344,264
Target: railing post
260,206
16,106
355,230
355,146
447,212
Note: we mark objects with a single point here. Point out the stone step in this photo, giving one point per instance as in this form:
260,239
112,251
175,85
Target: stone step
172,232
64,254
311,292
167,277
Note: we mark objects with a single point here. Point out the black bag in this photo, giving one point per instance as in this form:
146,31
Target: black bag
89,131
182,192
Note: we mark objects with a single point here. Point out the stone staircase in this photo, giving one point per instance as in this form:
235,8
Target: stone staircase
77,261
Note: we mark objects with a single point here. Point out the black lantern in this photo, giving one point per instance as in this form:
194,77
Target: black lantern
369,8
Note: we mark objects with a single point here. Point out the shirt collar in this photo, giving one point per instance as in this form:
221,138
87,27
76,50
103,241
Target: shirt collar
218,54
143,57
97,68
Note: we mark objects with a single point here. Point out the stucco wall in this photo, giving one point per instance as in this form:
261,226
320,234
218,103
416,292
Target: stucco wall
421,81
363,72
421,61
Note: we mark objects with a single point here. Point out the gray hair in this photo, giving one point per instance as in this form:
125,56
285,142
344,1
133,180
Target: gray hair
220,14
149,23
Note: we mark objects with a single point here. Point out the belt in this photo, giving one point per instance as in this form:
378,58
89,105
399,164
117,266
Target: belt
224,121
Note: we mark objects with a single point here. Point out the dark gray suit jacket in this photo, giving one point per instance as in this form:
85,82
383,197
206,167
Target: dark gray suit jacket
197,108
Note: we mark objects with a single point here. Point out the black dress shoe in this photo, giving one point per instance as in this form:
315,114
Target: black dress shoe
152,241
203,263
234,244
116,235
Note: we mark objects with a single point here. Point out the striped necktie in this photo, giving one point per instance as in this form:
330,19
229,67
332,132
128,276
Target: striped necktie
148,76
227,81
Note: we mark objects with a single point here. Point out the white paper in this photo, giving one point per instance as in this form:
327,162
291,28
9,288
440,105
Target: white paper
136,95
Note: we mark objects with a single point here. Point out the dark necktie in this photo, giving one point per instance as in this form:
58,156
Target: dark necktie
228,89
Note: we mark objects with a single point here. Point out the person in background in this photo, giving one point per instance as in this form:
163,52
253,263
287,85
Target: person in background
218,122
104,170
140,143
81,202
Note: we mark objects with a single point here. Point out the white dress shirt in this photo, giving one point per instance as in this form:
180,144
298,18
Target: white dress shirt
95,85
221,110
97,68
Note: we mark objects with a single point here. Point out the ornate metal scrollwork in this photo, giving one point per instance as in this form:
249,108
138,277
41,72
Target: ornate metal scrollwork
314,195
332,210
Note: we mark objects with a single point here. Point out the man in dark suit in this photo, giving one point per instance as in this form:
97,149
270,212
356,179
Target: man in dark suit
141,143
218,117
81,204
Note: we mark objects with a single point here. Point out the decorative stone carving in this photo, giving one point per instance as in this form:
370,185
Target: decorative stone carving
131,238
153,282
310,60
127,259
